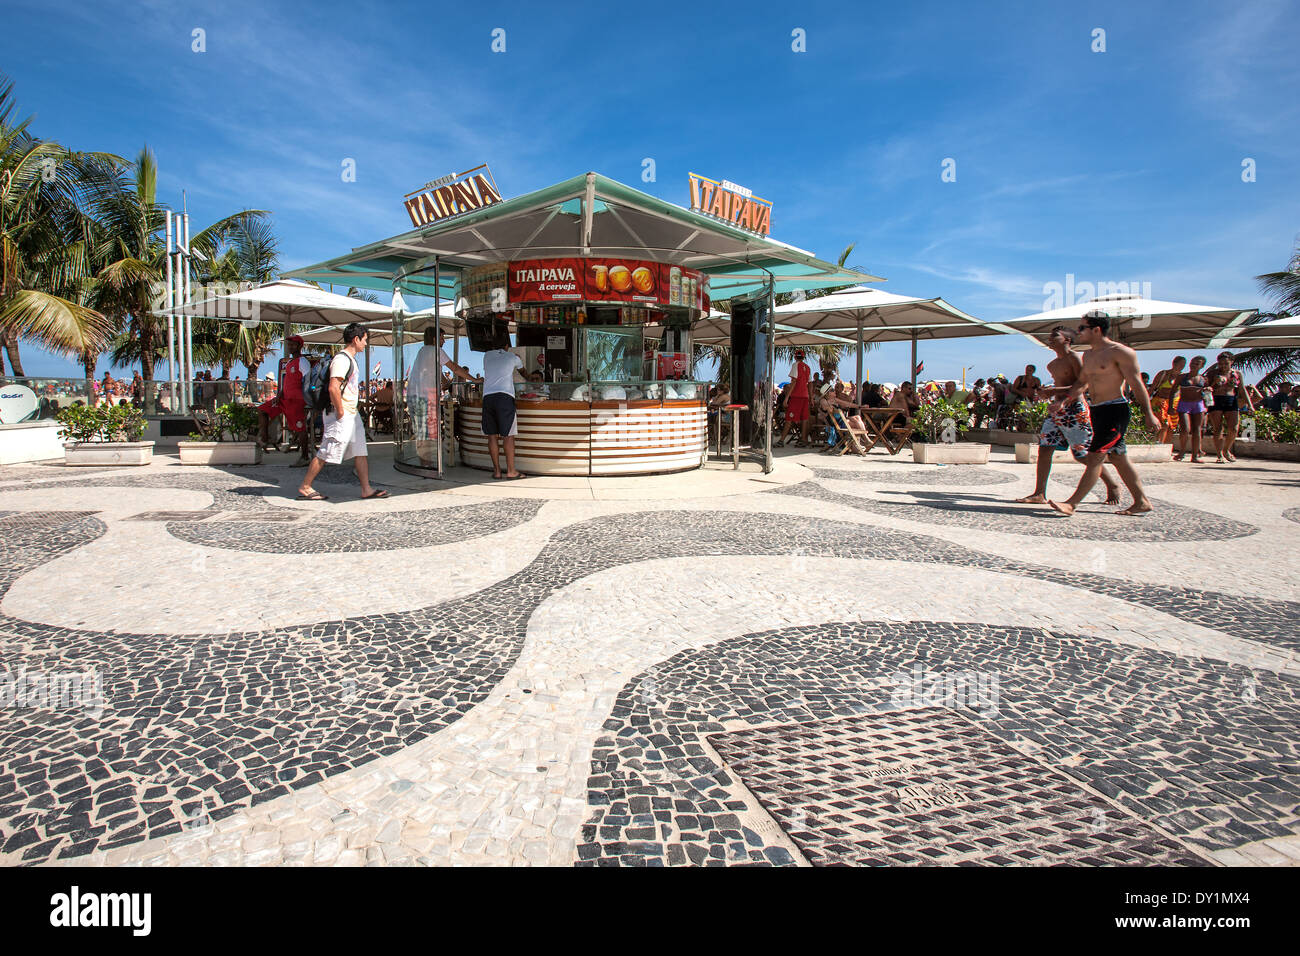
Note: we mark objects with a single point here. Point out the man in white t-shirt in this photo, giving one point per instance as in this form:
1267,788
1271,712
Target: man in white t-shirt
499,366
344,436
422,394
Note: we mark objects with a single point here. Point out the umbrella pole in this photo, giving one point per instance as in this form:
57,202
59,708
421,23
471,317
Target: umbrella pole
857,383
437,378
914,358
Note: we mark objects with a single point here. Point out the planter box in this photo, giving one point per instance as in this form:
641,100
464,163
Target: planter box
1001,436
30,441
1279,451
108,453
957,453
1138,454
220,452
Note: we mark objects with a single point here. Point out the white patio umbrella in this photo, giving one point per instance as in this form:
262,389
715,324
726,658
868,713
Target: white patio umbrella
1276,334
860,314
288,301
1142,323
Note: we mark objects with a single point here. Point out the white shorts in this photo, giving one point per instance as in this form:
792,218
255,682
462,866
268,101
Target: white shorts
342,439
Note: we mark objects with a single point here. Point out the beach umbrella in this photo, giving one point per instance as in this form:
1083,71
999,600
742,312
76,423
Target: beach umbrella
1276,334
1142,323
861,315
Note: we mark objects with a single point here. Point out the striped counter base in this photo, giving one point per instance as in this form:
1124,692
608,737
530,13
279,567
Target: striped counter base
596,438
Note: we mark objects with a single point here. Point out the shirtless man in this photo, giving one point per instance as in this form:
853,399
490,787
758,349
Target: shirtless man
1106,367
1070,428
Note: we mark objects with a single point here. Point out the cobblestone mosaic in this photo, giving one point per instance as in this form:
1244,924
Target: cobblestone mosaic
929,787
1203,750
198,727
922,477
1093,521
350,532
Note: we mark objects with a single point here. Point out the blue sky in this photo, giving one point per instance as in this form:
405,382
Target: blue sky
1122,166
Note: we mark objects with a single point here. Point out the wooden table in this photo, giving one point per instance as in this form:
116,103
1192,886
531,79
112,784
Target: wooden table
879,421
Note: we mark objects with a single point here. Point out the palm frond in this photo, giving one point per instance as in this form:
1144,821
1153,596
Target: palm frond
55,323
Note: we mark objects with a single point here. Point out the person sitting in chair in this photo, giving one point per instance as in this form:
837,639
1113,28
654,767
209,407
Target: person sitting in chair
907,401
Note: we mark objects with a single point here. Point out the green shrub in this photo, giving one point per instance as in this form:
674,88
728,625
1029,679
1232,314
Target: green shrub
1271,426
102,423
1136,433
233,419
1030,416
939,416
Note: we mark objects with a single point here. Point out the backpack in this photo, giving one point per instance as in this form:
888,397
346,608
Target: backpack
316,389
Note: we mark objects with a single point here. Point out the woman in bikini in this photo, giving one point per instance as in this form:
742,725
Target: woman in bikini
1164,399
1229,391
1191,406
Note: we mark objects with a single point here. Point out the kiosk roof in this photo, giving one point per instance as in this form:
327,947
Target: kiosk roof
588,215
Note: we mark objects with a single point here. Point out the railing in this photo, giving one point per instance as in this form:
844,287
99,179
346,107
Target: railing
153,397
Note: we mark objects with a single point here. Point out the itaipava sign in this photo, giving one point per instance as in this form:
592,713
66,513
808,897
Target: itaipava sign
452,195
734,204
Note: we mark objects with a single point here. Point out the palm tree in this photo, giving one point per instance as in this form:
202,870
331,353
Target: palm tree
44,231
130,256
1280,365
248,254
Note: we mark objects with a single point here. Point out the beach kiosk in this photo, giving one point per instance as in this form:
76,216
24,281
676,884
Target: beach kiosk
601,286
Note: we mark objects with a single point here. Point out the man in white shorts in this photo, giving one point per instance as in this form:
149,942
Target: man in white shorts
344,436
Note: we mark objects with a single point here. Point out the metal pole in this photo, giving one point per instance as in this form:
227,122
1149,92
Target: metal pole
189,319
858,381
399,328
171,324
437,338
771,375
914,358
181,368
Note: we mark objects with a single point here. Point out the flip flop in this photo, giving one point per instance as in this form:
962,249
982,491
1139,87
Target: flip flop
314,496
514,477
380,493
497,477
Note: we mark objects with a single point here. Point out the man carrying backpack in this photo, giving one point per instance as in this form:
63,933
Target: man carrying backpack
344,436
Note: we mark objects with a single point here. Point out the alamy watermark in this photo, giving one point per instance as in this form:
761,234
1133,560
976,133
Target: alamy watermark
971,690
1058,295
69,690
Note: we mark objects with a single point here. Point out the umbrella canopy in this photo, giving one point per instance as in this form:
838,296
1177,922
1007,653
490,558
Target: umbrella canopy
1142,323
1277,334
884,316
288,301
380,332
859,315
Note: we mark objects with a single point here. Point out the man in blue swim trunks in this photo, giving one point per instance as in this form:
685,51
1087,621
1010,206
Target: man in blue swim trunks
1070,427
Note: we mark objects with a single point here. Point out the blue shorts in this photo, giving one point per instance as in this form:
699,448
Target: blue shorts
499,415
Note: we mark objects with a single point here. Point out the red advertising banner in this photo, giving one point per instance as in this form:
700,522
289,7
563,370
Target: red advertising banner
604,280
544,280
623,280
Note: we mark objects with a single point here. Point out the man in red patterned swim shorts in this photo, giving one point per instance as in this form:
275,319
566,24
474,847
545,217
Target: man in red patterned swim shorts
1069,428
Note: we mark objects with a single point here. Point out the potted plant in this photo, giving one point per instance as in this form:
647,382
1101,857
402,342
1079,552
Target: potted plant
1030,418
103,435
223,437
936,436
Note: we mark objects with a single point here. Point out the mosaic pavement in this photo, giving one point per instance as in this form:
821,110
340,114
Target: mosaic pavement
882,664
